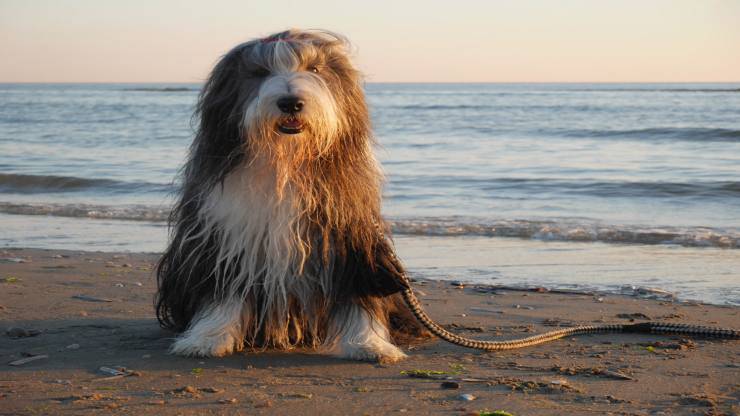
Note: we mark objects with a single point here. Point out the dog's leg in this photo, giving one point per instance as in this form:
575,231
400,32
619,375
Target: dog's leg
215,331
358,335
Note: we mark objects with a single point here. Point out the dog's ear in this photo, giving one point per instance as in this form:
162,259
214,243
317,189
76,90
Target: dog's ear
218,144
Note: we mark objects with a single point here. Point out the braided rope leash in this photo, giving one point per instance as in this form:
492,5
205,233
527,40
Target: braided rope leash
642,328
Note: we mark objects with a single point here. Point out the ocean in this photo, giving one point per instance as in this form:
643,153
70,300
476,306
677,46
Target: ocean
620,188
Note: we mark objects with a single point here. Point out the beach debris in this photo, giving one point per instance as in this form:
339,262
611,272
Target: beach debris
697,400
228,401
265,404
529,308
450,385
539,387
15,332
196,371
157,403
557,322
455,326
466,397
494,413
11,279
186,389
28,359
116,373
59,256
586,371
647,292
488,290
422,373
210,390
84,397
457,368
88,298
119,285
612,374
13,260
459,285
361,389
633,316
138,284
434,374
475,309
682,345
306,396
559,382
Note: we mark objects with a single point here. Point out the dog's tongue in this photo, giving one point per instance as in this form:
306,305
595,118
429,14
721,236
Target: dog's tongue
292,123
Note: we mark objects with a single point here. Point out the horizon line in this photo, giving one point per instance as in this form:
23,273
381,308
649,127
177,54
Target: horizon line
392,82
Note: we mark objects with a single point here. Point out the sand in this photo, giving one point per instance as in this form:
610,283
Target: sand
77,312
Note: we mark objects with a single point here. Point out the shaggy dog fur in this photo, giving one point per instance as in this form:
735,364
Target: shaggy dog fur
275,240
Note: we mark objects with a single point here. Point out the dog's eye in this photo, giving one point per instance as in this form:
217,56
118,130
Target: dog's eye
314,69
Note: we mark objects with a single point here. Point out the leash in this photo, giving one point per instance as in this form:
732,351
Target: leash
662,328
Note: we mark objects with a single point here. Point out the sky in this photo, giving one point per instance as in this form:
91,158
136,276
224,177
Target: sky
394,40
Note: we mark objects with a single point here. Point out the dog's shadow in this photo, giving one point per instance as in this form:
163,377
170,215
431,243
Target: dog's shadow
137,344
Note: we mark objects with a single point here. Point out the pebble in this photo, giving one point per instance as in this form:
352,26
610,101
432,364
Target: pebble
467,397
188,389
266,403
210,390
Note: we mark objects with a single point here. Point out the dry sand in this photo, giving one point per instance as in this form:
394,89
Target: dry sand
84,311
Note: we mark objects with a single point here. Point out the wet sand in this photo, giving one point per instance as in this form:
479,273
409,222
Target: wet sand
75,312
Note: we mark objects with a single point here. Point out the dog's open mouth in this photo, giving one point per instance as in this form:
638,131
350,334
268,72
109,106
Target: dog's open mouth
290,125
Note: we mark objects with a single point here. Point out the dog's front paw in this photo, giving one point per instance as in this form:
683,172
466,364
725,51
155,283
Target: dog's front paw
382,352
191,345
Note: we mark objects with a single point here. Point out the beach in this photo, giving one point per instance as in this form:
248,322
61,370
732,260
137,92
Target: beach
81,330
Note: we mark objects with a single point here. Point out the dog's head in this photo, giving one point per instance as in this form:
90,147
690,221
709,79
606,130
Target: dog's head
292,98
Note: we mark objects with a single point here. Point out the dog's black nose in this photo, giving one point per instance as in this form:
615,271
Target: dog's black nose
290,104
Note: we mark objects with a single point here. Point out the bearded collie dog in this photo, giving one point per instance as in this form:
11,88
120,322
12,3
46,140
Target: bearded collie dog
277,239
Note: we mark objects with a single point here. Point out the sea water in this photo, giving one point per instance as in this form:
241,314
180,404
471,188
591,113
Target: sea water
590,186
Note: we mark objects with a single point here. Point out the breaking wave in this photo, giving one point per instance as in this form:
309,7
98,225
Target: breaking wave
571,231
564,230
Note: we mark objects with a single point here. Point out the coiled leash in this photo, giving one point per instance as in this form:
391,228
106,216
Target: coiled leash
641,328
